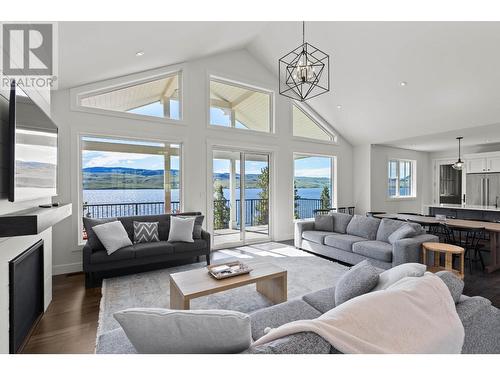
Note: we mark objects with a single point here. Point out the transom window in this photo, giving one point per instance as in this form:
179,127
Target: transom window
401,179
156,98
240,107
305,126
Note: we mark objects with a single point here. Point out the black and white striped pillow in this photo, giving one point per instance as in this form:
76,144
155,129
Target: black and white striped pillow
146,232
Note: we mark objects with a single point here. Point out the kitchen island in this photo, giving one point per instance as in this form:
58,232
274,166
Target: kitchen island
465,211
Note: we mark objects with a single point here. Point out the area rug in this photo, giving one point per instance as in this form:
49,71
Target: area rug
306,273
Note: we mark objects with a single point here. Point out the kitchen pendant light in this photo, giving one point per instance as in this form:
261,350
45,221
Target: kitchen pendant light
459,164
304,72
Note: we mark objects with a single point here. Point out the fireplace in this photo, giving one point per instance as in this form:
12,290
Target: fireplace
26,295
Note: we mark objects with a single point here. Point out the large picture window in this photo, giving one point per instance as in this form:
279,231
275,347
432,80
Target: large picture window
313,184
401,179
129,177
156,98
240,107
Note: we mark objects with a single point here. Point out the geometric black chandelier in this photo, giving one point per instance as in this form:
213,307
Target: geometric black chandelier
304,72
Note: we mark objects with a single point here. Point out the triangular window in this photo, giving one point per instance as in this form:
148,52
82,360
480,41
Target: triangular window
306,127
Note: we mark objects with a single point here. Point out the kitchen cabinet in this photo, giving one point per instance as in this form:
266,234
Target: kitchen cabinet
483,163
476,165
493,164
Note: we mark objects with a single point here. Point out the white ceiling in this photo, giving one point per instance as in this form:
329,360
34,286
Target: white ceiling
452,68
94,51
485,136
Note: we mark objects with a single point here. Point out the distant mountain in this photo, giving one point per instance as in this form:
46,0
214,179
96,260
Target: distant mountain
252,179
95,178
35,174
98,178
143,172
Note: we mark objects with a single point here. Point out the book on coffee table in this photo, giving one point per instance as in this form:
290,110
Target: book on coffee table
230,269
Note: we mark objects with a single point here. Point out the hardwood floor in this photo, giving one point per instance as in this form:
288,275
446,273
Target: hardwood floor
70,323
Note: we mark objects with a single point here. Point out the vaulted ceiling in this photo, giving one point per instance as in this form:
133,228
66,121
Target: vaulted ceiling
452,69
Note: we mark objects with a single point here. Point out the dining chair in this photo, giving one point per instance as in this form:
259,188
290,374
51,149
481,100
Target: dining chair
468,238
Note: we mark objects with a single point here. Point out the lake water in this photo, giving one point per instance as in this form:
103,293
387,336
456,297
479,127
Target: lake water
157,195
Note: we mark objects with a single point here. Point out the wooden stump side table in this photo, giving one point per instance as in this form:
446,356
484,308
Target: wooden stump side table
448,250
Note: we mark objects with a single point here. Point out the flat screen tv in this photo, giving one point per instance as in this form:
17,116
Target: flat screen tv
33,149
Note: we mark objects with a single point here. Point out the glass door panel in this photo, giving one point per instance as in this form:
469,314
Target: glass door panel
240,197
226,197
256,197
450,185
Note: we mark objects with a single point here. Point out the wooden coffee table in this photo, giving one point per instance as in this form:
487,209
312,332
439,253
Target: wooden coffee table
270,280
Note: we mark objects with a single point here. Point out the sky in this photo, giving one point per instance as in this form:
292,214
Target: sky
119,159
156,109
311,166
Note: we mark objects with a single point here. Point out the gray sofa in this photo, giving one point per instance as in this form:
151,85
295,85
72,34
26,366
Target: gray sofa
352,239
480,319
140,257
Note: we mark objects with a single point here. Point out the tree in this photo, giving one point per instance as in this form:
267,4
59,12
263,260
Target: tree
262,206
325,198
221,209
296,198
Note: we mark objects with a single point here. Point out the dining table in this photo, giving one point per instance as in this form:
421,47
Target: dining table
491,227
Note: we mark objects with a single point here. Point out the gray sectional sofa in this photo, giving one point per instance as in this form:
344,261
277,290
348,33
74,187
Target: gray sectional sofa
480,319
140,257
351,239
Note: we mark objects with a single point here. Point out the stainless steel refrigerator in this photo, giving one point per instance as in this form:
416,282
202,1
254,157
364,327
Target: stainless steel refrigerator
483,189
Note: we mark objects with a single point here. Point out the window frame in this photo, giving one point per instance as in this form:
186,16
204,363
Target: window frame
79,93
314,117
333,179
79,178
246,86
413,186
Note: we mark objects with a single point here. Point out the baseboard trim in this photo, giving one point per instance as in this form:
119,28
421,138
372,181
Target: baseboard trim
61,269
285,237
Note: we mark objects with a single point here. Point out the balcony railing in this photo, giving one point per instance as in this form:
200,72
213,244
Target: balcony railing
104,210
256,210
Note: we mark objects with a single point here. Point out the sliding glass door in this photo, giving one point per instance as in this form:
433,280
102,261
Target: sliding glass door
241,192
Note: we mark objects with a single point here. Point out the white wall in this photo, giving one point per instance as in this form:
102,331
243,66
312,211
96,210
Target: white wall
362,155
370,179
380,156
197,139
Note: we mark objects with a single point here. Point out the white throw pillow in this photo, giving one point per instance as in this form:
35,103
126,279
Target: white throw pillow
164,331
112,235
392,275
181,229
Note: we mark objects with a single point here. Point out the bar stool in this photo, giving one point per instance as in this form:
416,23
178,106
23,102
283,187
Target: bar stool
431,228
468,238
373,213
350,210
342,210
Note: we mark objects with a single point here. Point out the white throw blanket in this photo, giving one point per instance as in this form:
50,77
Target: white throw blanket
414,315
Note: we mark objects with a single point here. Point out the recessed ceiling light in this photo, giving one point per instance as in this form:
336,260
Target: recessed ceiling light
140,53
403,83
339,106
